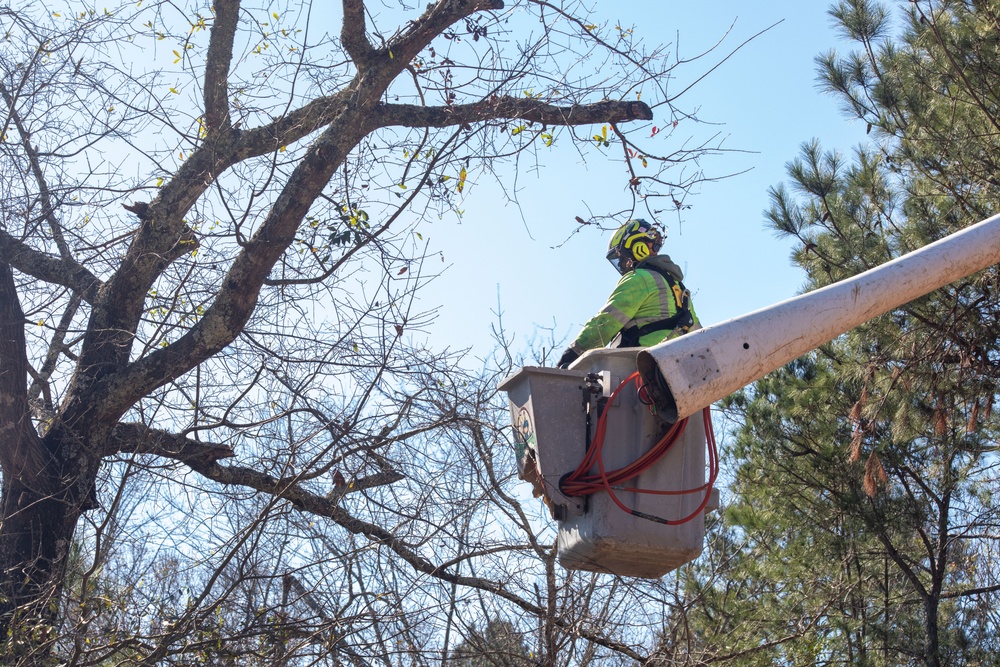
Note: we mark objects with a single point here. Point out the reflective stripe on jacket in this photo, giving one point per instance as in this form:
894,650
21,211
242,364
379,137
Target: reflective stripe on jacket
641,297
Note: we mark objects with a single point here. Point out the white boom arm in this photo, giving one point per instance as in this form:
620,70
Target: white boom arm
687,373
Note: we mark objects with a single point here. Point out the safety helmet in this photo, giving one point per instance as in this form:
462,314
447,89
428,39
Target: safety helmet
633,242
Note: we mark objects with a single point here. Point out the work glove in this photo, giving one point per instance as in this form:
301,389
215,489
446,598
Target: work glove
568,357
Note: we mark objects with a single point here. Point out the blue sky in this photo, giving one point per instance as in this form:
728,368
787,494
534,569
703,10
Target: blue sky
767,103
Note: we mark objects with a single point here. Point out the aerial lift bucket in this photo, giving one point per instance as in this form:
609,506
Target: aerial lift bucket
549,410
682,376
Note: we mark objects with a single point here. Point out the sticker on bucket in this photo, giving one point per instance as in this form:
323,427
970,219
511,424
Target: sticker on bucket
524,439
524,428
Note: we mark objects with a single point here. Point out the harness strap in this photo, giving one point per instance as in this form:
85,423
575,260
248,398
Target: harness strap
680,320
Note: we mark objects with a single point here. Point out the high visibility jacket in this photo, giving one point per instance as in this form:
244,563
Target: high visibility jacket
642,296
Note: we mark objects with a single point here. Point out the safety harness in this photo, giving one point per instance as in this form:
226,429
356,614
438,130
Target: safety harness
681,320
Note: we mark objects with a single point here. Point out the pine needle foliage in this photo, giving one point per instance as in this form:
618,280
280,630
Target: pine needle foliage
862,527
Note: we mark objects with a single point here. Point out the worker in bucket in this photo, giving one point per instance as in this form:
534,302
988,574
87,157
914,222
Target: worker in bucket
650,303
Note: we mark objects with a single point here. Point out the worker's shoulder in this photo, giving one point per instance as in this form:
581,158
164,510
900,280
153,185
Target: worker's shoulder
652,275
637,276
636,283
661,265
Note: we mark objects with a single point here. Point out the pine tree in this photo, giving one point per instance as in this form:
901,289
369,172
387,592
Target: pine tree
863,529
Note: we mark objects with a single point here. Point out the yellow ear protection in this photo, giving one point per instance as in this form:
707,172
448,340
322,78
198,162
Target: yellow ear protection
638,245
639,249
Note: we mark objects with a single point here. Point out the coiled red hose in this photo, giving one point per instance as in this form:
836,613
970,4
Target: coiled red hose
581,483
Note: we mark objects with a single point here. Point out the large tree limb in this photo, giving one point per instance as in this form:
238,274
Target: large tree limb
352,33
163,235
967,592
58,271
321,112
237,297
118,307
141,439
536,111
383,478
217,62
293,126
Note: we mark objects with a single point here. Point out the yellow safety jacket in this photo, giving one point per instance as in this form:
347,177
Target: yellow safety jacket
645,298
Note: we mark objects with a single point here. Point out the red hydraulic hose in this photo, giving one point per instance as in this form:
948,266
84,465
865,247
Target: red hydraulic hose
580,483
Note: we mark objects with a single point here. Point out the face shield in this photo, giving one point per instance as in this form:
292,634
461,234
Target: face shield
617,261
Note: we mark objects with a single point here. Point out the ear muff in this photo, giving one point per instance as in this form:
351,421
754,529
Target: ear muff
638,246
640,250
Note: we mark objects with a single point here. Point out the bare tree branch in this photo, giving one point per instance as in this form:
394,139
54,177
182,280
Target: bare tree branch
432,23
323,506
47,201
57,271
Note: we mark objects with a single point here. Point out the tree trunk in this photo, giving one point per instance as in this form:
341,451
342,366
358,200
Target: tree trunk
35,534
932,653
39,508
